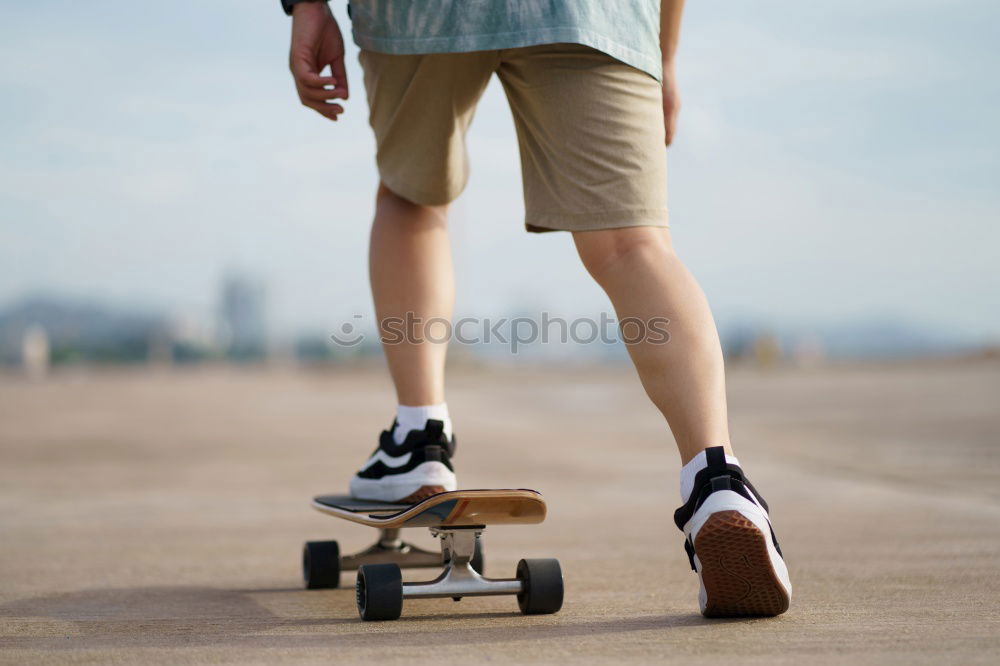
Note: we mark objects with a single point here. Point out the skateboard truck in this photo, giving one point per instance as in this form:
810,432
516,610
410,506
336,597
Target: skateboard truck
459,578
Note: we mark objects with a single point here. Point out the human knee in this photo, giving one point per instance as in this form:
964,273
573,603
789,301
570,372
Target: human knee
387,196
388,200
603,252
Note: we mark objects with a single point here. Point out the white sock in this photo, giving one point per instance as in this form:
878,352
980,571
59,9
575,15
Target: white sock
415,418
692,468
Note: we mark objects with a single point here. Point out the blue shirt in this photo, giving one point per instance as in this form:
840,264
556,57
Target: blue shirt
628,30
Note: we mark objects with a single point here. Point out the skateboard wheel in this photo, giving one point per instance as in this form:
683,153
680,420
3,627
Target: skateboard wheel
379,591
542,585
321,565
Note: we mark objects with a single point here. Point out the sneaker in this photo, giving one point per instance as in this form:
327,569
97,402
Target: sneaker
731,545
408,472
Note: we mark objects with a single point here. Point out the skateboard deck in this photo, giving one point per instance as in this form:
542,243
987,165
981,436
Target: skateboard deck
457,508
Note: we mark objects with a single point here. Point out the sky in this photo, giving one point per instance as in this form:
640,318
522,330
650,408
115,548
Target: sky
834,162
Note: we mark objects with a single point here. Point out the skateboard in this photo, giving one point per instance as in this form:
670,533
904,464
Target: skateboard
457,518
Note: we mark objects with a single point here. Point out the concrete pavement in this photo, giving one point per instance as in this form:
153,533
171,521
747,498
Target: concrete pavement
157,516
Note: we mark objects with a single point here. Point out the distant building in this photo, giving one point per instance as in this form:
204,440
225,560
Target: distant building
39,330
244,320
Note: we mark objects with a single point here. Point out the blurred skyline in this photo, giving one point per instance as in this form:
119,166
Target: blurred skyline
833,163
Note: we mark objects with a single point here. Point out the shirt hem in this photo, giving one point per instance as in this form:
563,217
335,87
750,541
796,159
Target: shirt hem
511,40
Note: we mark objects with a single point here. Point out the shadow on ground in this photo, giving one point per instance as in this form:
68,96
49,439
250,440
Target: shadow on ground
204,616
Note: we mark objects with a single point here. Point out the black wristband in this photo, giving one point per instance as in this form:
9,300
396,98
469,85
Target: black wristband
288,4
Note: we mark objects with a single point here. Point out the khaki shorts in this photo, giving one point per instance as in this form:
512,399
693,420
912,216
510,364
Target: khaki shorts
589,128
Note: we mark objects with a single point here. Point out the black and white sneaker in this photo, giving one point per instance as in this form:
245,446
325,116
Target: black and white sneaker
419,467
730,543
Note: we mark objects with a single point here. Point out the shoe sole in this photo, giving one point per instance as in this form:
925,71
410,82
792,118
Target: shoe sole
736,568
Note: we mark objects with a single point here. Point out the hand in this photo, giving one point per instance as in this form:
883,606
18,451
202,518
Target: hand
316,43
671,101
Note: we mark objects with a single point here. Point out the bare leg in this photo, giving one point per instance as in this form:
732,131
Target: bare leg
411,272
685,379
411,279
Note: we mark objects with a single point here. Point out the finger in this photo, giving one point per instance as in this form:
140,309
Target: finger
321,94
670,124
314,80
340,74
331,111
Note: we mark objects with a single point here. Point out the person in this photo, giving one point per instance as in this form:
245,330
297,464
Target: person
592,88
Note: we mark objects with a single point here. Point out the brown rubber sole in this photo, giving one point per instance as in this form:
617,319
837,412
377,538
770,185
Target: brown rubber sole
736,569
